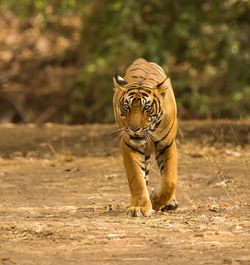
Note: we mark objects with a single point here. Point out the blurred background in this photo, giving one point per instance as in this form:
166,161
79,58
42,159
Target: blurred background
58,57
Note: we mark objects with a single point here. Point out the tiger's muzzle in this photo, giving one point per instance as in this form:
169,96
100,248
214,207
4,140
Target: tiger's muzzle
136,134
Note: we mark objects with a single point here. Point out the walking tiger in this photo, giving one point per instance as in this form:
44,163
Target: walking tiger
145,110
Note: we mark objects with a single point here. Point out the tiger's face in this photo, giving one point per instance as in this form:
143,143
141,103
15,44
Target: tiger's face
139,110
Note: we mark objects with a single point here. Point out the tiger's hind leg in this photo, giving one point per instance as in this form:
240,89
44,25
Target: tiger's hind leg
163,197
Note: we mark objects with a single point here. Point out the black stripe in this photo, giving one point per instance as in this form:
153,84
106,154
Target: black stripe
139,76
147,157
133,88
144,94
164,137
159,104
139,89
142,168
145,89
135,69
164,149
146,182
133,100
154,101
147,172
152,80
152,107
138,151
146,85
154,74
157,124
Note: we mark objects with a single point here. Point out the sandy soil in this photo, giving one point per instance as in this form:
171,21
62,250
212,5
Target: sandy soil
64,193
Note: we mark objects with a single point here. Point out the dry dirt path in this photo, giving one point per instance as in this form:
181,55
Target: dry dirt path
63,199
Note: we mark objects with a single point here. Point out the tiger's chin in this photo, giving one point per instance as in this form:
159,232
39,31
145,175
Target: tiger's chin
138,140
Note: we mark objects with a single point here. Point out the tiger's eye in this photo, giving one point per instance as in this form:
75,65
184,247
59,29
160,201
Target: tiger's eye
126,106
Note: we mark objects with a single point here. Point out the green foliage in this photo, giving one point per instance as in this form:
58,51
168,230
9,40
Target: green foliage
27,8
202,45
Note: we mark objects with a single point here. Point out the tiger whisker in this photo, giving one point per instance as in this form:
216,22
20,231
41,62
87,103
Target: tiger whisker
153,135
149,138
117,133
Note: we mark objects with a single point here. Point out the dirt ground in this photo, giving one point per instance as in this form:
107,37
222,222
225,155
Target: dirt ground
64,193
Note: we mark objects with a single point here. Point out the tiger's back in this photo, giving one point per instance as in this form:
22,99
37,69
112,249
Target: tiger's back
142,71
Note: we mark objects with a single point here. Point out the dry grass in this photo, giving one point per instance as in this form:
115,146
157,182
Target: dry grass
219,172
238,143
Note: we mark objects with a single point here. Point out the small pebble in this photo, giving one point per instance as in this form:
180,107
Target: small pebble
110,236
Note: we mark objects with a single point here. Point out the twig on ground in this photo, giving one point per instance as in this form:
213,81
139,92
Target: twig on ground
238,142
63,134
193,204
51,148
228,184
245,125
214,169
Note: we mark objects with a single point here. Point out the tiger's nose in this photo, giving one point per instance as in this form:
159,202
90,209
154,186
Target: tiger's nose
135,129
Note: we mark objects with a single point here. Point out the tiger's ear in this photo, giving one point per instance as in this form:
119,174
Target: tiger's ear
163,86
119,82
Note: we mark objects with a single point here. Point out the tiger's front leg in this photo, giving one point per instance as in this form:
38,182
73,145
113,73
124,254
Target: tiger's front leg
140,201
164,194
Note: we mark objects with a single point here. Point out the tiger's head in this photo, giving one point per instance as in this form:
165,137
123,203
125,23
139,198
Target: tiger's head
139,108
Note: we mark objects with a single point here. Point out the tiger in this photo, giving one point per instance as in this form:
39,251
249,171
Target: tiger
145,110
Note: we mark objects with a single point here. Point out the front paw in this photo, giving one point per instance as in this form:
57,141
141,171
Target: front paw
136,211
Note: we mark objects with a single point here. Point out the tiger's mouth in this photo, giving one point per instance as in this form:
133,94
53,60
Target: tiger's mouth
137,138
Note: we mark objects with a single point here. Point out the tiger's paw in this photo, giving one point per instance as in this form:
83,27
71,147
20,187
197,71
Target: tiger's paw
172,205
136,211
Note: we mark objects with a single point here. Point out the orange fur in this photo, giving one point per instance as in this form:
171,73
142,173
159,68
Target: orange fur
147,130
